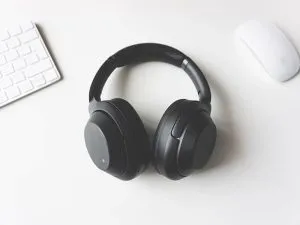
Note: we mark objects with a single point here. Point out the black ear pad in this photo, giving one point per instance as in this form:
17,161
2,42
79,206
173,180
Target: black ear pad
163,139
116,139
184,140
141,152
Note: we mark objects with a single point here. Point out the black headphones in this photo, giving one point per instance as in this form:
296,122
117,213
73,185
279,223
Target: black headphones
115,135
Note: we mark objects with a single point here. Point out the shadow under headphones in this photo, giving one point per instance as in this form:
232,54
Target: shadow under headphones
115,135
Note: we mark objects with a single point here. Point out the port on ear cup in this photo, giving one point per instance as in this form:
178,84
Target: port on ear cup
185,132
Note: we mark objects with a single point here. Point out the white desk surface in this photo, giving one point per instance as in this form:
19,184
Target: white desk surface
46,174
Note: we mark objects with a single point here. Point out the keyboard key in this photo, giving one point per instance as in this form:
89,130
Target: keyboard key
24,50
13,42
3,47
2,59
25,86
50,75
5,82
15,31
19,64
12,92
39,67
3,97
27,26
17,77
11,55
38,80
6,69
28,36
37,47
4,35
32,58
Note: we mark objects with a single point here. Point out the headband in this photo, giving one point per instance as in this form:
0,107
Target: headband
150,52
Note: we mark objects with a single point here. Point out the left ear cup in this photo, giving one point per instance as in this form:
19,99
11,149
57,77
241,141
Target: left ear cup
184,140
105,142
116,139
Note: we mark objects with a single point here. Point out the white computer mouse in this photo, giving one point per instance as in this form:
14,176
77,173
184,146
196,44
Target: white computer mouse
270,47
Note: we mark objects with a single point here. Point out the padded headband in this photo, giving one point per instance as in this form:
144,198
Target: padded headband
150,52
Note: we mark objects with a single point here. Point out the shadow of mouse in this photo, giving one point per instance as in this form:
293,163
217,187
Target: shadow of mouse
226,147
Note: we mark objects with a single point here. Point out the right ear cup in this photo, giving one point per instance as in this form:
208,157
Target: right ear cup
116,139
165,160
184,139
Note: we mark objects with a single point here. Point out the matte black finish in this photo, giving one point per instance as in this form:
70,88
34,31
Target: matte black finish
116,138
108,153
150,52
119,126
163,132
185,135
138,144
190,67
196,143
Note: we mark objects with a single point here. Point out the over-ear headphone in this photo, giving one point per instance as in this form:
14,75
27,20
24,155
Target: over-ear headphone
115,135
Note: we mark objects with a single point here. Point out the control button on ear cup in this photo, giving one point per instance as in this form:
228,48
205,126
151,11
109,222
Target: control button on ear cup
170,114
104,143
184,115
138,146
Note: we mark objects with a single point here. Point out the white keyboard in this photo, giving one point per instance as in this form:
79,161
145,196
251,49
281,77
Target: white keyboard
25,63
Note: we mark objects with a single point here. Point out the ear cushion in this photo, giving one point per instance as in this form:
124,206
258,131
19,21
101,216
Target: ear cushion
197,133
138,147
162,136
184,139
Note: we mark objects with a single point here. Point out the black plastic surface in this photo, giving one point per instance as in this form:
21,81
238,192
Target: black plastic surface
184,113
134,143
196,143
187,149
169,167
104,143
184,139
149,52
162,134
199,80
139,154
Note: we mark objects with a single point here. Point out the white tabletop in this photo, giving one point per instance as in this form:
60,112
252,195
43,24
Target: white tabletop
46,174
